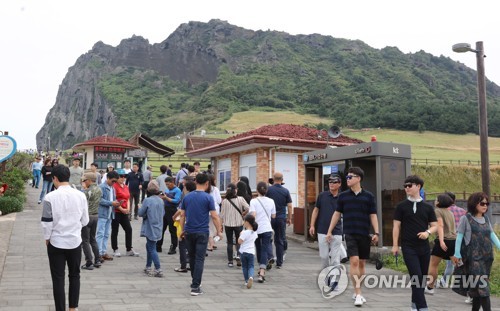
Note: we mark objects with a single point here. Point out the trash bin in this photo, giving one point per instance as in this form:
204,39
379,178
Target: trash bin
298,220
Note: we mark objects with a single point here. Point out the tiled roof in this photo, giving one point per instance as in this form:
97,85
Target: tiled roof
291,131
107,141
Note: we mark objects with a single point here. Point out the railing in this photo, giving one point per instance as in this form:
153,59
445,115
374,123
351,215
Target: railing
450,162
463,195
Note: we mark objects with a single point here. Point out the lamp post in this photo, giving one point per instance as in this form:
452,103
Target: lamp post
483,116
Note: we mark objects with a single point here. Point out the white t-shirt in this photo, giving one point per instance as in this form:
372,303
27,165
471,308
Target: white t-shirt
248,245
263,213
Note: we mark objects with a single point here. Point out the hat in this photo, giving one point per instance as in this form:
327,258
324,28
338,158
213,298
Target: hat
334,177
89,176
111,165
153,187
76,159
121,172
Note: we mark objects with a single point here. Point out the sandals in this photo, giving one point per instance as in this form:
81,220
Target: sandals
181,270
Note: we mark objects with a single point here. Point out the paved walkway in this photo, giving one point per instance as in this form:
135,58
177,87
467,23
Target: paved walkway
25,282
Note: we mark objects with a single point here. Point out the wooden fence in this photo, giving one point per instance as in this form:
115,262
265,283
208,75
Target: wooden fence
450,162
462,195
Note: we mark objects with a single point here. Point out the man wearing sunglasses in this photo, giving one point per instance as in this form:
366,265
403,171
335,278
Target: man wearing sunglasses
416,220
359,210
326,204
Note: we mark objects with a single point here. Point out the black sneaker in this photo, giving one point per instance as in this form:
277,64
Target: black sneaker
97,264
158,250
196,291
172,251
270,263
88,266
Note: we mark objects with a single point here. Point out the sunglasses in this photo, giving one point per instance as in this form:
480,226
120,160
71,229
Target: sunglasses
113,181
484,203
84,180
351,176
334,182
123,176
407,185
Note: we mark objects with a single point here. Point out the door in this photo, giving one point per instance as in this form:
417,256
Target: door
287,164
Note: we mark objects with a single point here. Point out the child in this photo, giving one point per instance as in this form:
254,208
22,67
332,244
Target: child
247,248
152,212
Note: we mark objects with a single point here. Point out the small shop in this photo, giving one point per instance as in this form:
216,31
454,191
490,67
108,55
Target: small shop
386,166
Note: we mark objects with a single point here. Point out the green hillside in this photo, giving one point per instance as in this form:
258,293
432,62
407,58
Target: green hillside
346,81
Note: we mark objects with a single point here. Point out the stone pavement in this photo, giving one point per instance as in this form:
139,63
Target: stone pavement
25,282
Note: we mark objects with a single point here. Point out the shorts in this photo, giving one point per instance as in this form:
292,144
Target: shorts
437,251
358,245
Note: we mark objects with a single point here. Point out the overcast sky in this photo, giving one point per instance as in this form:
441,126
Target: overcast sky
41,39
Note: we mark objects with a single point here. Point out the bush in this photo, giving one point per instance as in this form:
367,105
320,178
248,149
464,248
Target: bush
10,205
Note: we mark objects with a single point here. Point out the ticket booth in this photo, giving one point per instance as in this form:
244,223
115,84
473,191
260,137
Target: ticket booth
386,166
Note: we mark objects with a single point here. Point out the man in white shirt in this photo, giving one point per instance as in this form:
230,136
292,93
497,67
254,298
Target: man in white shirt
65,212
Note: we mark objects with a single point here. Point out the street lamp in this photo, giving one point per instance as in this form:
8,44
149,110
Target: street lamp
483,116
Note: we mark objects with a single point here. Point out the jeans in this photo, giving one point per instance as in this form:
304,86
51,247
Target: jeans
230,231
247,262
89,243
263,248
417,261
58,258
102,235
37,175
46,186
183,253
279,227
134,199
121,219
152,254
331,253
197,248
168,221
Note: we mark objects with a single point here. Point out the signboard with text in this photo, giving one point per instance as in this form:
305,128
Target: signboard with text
8,147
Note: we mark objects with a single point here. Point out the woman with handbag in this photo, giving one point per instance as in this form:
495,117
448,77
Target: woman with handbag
474,257
232,211
263,209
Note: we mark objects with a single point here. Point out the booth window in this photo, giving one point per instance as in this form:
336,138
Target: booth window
248,168
223,174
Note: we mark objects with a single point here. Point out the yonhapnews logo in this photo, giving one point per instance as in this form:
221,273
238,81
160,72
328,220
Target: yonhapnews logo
333,281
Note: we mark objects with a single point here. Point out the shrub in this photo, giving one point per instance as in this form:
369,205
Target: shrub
10,205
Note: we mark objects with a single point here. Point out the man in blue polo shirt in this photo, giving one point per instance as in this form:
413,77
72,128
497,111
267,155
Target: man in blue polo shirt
358,209
195,210
330,252
283,202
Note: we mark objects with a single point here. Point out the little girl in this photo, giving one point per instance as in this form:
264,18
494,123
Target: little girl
247,248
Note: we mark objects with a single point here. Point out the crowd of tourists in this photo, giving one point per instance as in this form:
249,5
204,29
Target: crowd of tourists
80,210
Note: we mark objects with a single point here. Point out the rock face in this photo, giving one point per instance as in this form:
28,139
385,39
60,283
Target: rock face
81,112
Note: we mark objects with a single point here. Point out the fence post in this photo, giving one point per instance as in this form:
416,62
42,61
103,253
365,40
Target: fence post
465,195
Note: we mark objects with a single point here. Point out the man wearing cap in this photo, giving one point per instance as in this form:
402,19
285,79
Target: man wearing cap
76,174
89,244
330,252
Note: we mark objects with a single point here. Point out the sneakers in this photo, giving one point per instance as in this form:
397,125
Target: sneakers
278,267
261,279
362,298
132,253
172,251
359,300
39,201
148,271
117,254
270,263
238,261
88,266
468,300
230,264
97,264
250,282
158,273
106,257
196,291
429,291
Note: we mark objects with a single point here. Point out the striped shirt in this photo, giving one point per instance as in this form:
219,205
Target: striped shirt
356,210
229,215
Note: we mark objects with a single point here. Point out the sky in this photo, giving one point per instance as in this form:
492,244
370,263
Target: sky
41,39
